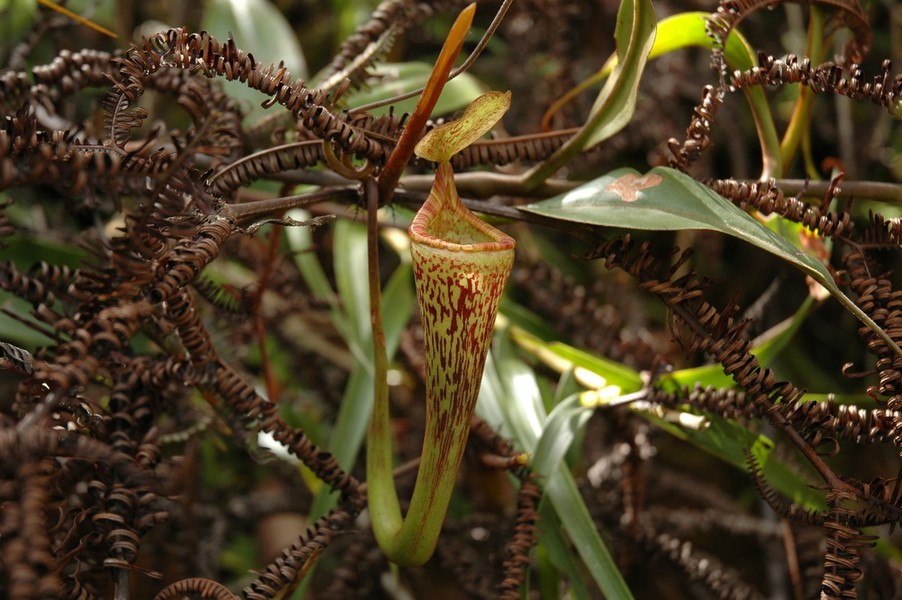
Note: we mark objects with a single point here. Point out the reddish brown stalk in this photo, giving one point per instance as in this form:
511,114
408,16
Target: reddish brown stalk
399,158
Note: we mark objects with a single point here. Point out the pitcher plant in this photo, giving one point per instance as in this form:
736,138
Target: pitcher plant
461,265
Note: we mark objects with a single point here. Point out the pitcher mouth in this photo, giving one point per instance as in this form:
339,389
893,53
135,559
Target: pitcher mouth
444,222
459,232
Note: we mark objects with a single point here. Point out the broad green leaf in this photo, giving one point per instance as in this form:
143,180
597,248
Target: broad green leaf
400,78
26,250
259,28
665,199
443,142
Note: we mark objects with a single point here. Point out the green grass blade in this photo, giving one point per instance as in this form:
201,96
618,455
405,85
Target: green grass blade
510,391
561,489
553,543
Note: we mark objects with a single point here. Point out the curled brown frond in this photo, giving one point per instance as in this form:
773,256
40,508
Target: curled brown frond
730,12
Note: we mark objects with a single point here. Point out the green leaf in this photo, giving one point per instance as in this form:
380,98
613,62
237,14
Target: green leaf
300,240
563,425
728,441
510,394
348,311
553,547
616,102
665,200
562,357
15,332
766,347
357,401
16,17
689,29
399,78
349,260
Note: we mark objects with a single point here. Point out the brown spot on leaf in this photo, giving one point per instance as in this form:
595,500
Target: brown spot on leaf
629,185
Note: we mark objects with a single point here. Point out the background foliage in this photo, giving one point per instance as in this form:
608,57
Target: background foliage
187,374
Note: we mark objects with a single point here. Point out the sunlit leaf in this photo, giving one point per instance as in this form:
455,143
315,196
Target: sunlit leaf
665,199
561,357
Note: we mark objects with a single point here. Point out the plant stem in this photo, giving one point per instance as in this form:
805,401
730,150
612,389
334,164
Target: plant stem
399,158
383,498
801,114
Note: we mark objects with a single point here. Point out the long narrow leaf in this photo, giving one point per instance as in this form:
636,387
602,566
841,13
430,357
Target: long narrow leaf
553,542
616,103
689,29
510,390
349,258
563,425
561,489
350,269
